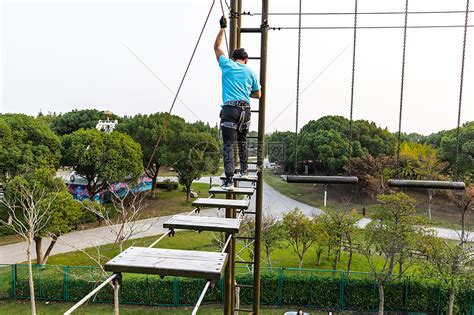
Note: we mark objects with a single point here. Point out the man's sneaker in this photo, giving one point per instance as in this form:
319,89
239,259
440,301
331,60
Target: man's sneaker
228,184
244,175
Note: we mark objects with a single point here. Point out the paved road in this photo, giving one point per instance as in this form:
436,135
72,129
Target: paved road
278,203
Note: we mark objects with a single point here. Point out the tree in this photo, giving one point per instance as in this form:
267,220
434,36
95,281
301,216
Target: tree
280,148
26,144
122,214
373,172
63,213
328,148
102,158
464,162
300,232
29,210
339,226
419,161
464,200
271,235
145,130
199,153
394,231
78,119
452,263
327,141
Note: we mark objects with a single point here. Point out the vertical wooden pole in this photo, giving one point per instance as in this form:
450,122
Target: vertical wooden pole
117,282
260,158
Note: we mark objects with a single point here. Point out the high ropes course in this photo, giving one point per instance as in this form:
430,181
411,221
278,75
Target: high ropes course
211,266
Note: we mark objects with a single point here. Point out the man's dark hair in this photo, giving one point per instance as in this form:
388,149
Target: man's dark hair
240,54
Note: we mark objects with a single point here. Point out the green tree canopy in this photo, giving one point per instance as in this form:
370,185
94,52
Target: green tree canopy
26,144
394,231
76,119
145,130
198,153
326,141
51,200
102,158
280,147
465,161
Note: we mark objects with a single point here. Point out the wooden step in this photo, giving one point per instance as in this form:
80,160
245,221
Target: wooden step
237,191
169,262
249,178
199,223
221,203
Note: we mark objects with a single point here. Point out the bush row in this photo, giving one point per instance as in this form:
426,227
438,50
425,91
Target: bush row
322,291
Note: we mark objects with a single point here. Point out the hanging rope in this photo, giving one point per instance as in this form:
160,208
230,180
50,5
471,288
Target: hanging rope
225,32
461,84
402,87
298,88
353,79
166,122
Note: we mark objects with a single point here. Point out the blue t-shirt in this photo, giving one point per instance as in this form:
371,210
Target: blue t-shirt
238,80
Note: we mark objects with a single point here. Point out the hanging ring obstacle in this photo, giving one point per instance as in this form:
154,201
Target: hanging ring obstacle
426,184
342,180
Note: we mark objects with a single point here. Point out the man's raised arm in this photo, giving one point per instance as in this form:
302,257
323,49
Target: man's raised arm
217,44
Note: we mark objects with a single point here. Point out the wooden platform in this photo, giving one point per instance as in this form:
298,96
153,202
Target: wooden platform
198,223
221,203
169,262
237,190
249,178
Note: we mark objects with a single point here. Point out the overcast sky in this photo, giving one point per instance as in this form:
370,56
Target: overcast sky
63,55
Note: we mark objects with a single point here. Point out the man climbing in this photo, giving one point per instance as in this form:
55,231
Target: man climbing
239,84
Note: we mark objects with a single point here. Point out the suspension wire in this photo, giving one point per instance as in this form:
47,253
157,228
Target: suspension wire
166,122
353,77
279,28
359,13
461,85
402,88
298,88
225,32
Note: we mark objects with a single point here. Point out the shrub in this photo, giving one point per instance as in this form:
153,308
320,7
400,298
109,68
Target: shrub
167,184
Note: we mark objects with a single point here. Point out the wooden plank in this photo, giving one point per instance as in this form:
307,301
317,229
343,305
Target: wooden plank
169,262
237,190
203,223
249,178
221,203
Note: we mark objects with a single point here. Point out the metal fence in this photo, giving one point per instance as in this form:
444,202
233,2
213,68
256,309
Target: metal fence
318,289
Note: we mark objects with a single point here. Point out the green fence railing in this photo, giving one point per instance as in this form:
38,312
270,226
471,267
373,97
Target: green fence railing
318,289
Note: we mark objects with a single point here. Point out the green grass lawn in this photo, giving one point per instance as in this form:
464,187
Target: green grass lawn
23,307
281,257
346,197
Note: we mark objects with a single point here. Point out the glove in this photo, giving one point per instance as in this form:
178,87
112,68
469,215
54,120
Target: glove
223,22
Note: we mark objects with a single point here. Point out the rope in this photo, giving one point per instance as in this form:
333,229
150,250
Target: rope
360,13
298,88
353,77
461,85
166,122
225,33
401,88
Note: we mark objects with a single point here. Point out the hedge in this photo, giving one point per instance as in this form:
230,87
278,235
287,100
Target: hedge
309,288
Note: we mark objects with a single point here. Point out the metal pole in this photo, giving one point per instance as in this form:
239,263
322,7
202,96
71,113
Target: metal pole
260,157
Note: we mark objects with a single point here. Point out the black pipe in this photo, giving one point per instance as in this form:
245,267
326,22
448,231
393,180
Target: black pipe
321,179
426,184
